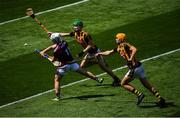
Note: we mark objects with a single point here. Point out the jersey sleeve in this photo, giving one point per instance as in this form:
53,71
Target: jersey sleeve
72,34
115,49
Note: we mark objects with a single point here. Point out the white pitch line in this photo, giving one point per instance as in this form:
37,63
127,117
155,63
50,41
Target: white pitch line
120,68
61,7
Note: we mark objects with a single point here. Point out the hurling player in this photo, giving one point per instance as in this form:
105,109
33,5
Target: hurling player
128,52
63,55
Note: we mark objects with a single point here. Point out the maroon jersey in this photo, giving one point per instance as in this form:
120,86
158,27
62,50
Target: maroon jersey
62,53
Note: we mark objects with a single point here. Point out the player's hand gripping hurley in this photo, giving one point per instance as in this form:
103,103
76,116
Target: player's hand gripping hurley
55,63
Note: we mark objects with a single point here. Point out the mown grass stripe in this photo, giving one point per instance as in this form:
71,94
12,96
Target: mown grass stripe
61,7
144,60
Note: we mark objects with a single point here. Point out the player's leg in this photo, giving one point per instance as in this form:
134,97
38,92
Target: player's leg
90,75
161,100
125,83
105,68
142,76
57,87
75,67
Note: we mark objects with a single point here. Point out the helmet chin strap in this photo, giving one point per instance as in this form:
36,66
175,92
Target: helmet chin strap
119,41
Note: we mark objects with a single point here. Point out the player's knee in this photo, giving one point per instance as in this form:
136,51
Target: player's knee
122,83
82,65
153,88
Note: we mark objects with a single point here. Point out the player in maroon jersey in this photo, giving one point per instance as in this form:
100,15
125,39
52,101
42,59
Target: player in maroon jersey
63,55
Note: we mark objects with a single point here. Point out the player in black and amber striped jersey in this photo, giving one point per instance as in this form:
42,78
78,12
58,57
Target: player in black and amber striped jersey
128,52
89,49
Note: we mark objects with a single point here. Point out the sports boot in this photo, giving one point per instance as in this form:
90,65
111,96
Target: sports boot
140,98
100,80
56,99
116,83
161,102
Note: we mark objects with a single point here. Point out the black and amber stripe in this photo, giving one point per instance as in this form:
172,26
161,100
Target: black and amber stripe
156,93
138,93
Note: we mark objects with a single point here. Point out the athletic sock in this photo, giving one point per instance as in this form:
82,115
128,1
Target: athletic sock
138,93
156,93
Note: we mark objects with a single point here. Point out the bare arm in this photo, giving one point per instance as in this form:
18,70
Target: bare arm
84,51
134,50
62,34
65,34
43,52
105,53
90,44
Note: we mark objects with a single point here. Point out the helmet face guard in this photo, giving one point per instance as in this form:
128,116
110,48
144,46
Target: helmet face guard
77,25
77,28
118,41
56,38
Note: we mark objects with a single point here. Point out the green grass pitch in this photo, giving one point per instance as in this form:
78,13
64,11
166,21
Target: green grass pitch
151,25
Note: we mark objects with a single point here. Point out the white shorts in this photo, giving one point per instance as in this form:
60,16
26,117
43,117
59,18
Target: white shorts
137,72
62,70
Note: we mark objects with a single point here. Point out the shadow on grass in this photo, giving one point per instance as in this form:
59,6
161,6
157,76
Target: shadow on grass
98,85
86,97
154,104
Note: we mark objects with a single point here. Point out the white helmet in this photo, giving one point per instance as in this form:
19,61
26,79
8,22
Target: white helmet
56,38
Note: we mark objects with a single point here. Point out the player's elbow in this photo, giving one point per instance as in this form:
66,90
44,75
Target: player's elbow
134,49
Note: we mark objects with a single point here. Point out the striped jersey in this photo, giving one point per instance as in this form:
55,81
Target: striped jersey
83,38
124,50
62,53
